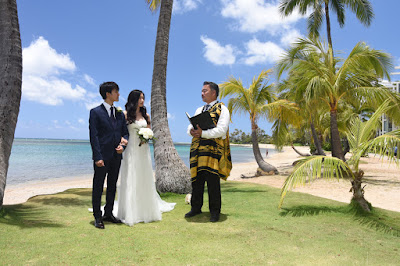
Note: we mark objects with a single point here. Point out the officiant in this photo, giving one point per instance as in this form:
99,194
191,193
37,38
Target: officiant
210,158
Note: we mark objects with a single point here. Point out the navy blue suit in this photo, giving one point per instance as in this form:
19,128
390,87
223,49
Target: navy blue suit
105,136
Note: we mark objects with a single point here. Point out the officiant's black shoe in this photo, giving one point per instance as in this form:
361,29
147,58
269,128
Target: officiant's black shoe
192,213
111,218
214,217
98,223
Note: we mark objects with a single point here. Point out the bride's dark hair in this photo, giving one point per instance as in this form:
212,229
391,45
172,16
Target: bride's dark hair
131,107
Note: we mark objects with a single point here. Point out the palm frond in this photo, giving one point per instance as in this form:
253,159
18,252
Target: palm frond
362,9
338,7
314,21
314,167
153,4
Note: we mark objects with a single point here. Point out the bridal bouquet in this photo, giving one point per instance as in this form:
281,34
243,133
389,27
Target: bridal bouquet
145,134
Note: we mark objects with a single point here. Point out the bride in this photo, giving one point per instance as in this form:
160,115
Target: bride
138,200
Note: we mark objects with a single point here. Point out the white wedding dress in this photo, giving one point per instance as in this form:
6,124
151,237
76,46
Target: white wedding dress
138,200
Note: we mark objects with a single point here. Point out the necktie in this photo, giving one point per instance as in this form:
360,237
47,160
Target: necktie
112,116
206,107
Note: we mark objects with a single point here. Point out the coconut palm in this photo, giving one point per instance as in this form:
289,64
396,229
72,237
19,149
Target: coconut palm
362,9
355,77
10,86
292,89
172,175
361,136
258,101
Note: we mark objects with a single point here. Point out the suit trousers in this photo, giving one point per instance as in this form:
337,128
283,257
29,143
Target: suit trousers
111,170
214,192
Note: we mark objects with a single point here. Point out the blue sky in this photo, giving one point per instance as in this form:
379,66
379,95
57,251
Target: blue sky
70,47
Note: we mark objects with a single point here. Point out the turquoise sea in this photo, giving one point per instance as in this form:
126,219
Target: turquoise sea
41,159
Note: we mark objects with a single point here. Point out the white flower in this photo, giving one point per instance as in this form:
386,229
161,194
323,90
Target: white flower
119,109
145,134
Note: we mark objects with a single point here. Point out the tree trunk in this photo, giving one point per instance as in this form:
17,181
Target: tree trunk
317,143
335,137
10,83
346,147
328,25
328,32
172,175
300,153
358,191
266,167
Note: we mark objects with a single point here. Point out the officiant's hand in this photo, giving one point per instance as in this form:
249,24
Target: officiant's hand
99,163
196,132
119,149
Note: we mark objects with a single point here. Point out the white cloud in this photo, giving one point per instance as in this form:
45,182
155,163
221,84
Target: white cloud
50,91
182,6
170,116
290,37
258,15
92,100
262,52
43,70
41,60
216,53
81,121
89,79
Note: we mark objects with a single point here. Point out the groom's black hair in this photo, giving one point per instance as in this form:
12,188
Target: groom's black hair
212,86
108,86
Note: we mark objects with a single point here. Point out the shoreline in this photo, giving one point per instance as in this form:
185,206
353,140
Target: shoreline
381,179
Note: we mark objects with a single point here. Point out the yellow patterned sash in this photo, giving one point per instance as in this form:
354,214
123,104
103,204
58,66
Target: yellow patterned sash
212,155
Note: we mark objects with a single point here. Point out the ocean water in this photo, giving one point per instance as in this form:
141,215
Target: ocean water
41,159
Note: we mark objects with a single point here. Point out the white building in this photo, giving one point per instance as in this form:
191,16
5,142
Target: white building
387,124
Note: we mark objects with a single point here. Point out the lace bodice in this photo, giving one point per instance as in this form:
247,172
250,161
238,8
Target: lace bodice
138,124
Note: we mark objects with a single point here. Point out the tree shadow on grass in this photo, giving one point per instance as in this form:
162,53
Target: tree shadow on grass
68,198
237,187
25,216
59,201
83,192
375,219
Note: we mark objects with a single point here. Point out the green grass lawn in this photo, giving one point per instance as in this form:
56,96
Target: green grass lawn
58,229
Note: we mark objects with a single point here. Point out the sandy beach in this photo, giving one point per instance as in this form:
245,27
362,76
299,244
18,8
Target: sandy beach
382,181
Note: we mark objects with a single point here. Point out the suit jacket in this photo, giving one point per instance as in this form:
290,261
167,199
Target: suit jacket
104,137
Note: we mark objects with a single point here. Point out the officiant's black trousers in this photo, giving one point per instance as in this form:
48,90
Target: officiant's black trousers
214,192
111,170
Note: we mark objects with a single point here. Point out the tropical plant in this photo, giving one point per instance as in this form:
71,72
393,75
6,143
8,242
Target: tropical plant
172,175
292,90
10,85
355,77
362,9
362,139
258,101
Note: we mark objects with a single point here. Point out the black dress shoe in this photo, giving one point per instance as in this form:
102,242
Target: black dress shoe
98,223
214,218
192,213
111,218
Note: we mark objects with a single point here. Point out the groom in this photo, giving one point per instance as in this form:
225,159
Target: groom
106,127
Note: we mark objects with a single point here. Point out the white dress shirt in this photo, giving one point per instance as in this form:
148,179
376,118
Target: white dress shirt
222,125
108,108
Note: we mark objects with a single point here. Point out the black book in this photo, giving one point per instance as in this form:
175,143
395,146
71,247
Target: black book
203,119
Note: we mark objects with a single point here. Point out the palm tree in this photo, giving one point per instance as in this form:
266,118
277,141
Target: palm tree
10,86
361,136
258,101
172,175
362,9
345,80
292,89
